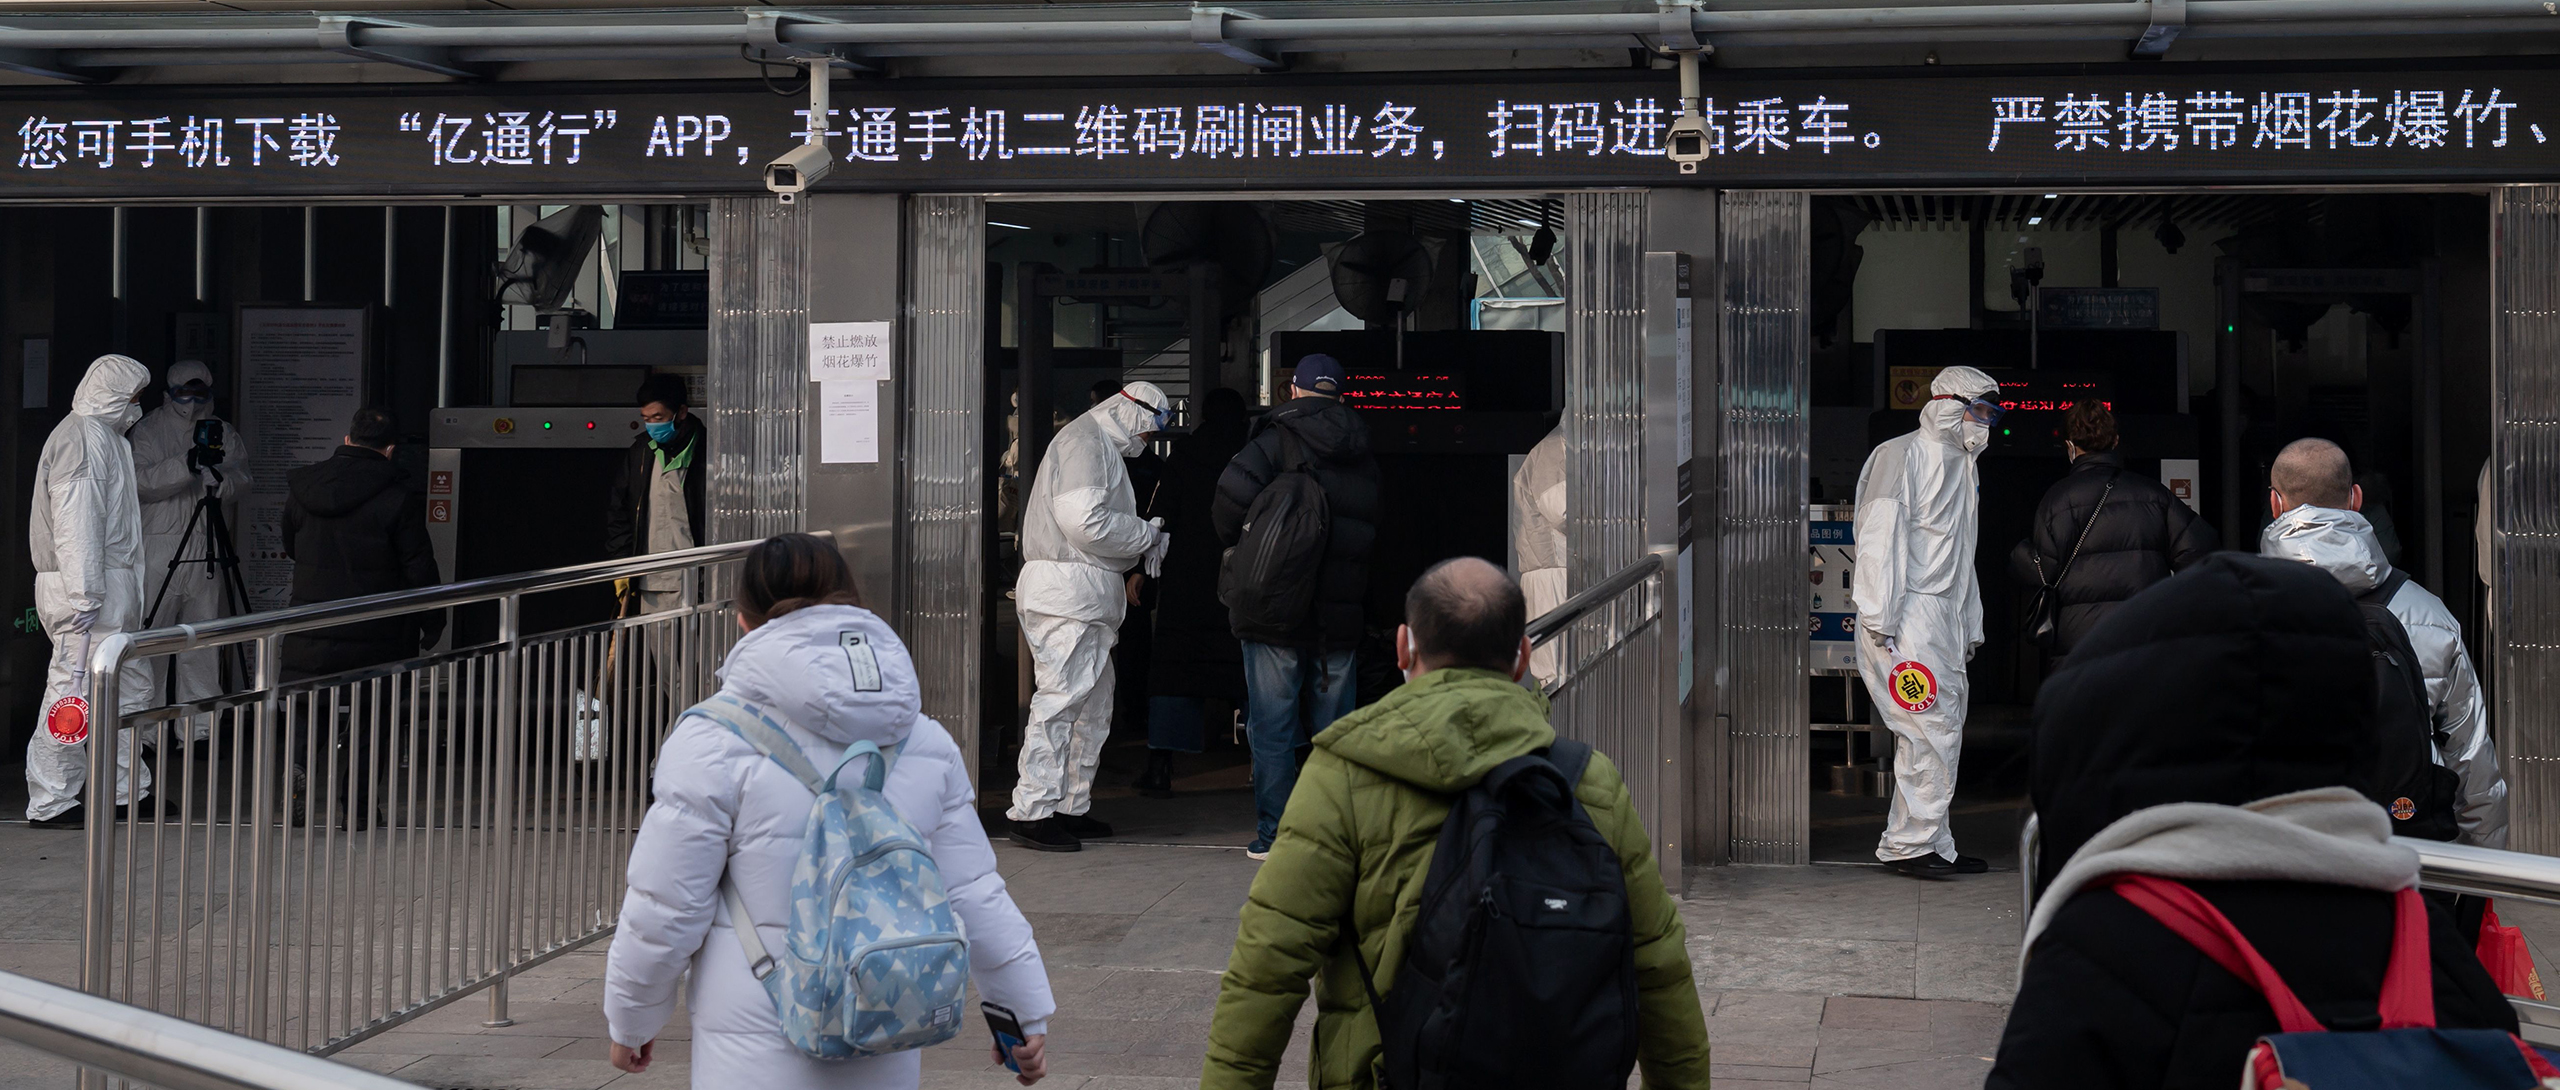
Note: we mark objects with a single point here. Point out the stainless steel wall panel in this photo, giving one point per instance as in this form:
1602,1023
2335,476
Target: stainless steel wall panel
759,369
1765,353
1604,384
2525,460
943,519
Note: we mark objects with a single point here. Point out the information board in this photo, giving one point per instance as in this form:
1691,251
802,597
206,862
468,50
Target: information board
2195,124
301,382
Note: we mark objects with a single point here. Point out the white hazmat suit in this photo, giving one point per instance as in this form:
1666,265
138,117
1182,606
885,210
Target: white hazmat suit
1537,537
170,490
1080,531
1919,605
84,532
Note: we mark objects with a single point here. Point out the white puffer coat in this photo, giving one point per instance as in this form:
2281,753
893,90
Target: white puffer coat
724,808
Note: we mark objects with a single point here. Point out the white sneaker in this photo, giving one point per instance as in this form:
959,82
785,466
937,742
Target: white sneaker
1259,856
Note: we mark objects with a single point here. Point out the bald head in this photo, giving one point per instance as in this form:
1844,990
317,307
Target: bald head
2312,473
1466,613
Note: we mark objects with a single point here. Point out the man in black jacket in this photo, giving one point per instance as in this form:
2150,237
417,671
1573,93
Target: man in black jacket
2142,534
656,504
354,526
2245,685
1298,682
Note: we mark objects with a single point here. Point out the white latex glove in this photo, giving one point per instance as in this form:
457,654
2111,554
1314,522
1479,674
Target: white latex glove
229,488
83,623
1155,552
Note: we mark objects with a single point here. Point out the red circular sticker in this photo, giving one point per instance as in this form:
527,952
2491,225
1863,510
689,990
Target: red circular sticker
68,720
2403,809
1914,687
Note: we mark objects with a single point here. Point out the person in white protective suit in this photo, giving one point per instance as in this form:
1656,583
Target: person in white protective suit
1537,537
1080,532
171,484
1920,609
84,533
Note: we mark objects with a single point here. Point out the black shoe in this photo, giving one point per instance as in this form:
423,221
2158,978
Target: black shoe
1045,835
1157,781
1929,867
1083,826
1972,864
147,807
73,818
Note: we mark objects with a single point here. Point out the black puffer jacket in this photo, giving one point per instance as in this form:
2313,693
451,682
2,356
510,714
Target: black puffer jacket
1336,442
2144,533
354,526
2234,682
1195,652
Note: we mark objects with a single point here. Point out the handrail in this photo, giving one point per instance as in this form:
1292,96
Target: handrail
1545,626
171,1053
2488,872
114,650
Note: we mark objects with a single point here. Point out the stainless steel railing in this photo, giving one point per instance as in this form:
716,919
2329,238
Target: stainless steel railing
104,1036
324,858
1617,687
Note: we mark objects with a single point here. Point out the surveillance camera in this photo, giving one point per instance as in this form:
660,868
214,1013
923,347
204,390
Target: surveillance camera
797,170
1686,142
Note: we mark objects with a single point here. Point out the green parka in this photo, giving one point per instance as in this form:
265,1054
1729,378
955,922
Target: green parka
1357,839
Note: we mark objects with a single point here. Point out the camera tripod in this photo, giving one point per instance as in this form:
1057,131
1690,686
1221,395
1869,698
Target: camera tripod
222,561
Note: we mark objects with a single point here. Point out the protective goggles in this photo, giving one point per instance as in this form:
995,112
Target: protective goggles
192,395
1985,413
1164,417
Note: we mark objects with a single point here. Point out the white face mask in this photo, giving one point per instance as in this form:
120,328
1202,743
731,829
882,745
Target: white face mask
128,413
1975,436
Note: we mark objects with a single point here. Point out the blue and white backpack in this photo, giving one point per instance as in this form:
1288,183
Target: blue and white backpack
874,960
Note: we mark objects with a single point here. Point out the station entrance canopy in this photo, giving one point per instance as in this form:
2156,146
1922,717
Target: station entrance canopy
2195,126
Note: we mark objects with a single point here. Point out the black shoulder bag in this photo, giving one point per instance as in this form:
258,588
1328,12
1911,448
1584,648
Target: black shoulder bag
2044,619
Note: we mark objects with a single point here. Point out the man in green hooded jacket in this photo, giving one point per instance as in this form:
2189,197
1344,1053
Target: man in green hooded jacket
1357,837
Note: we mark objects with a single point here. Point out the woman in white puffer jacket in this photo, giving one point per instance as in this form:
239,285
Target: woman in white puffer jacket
722,808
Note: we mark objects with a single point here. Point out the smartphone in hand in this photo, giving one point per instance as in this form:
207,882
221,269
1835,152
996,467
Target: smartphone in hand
1008,1033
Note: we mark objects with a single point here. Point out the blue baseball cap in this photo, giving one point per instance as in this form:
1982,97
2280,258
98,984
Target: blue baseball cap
1319,372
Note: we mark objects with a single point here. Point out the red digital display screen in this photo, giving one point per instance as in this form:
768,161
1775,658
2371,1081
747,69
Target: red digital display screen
1404,390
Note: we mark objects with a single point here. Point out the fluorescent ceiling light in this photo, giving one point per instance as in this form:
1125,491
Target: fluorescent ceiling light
1528,223
1015,226
2034,220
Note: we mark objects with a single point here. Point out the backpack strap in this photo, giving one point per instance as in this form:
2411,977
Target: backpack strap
2408,996
751,723
2383,592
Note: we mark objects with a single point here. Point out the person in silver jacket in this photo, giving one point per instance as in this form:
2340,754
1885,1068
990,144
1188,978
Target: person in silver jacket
2314,497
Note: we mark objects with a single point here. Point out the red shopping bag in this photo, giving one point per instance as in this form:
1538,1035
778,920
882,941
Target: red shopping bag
2508,959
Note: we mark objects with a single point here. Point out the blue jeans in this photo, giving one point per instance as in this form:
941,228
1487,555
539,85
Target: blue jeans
1279,682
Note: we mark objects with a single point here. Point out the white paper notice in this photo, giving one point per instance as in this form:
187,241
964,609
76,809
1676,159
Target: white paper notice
849,350
849,421
301,381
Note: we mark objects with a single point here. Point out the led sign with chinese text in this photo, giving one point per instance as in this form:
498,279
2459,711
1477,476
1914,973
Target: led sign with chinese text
2101,126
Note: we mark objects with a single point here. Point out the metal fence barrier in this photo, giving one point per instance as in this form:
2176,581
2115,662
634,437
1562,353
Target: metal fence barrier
324,858
111,1038
1617,687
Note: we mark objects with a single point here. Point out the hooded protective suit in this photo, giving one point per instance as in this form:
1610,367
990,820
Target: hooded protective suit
1080,532
1919,605
169,491
2343,544
1537,536
84,532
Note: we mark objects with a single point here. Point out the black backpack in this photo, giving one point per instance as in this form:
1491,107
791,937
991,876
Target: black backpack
1521,967
1267,580
2424,797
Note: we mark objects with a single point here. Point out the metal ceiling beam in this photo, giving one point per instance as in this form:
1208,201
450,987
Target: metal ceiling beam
442,42
343,34
50,64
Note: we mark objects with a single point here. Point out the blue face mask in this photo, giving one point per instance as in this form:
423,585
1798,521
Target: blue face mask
660,433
